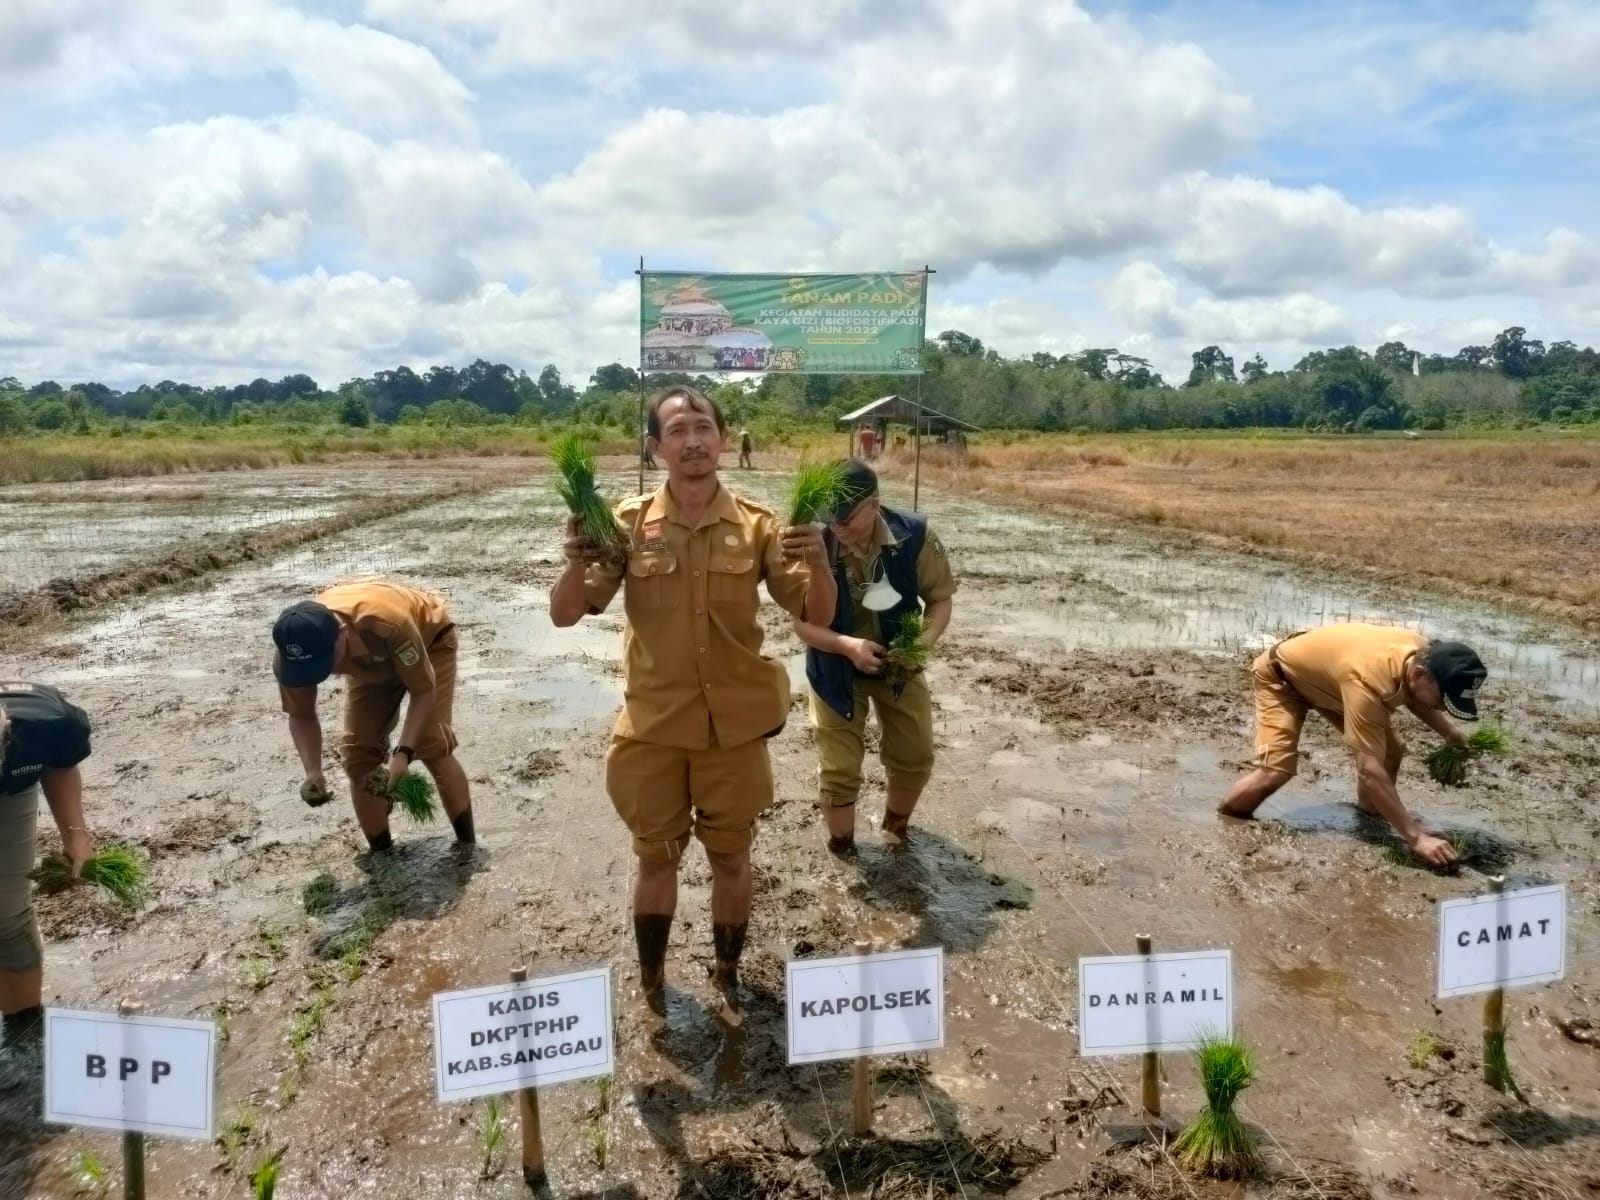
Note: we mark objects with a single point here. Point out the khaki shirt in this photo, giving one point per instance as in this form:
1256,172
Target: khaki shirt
935,580
694,674
393,626
1357,671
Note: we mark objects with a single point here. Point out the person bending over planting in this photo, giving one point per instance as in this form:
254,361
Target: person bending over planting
1356,676
393,643
42,740
891,574
688,753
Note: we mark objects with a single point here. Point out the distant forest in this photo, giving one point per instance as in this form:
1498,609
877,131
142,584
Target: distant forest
1516,381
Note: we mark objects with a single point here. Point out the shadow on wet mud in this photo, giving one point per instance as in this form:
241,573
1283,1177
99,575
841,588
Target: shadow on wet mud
1476,849
24,1138
417,881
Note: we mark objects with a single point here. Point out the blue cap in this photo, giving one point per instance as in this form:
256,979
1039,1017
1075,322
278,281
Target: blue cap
306,635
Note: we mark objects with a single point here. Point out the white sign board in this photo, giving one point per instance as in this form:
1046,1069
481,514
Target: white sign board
136,1074
1135,1003
1506,939
865,1004
519,1035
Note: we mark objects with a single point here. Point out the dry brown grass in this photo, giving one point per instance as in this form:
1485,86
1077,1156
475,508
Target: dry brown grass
1512,518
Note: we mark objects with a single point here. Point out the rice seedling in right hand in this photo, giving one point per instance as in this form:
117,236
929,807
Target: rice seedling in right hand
412,793
816,491
908,652
119,870
1489,739
597,524
1448,765
1217,1141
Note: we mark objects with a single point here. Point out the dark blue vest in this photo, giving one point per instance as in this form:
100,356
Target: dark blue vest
833,676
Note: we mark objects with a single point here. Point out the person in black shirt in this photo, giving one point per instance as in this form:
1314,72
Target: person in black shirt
43,738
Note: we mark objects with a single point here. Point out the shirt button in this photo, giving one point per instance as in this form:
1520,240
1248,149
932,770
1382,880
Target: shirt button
696,574
708,687
652,568
698,611
702,649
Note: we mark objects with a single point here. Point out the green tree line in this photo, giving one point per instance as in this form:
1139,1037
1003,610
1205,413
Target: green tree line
1514,381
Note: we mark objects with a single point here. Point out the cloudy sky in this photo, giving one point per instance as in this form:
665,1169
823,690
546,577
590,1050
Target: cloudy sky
215,189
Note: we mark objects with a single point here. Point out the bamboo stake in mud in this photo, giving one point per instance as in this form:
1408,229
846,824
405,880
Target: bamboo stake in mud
1494,1017
863,1089
532,1136
132,1143
1150,1072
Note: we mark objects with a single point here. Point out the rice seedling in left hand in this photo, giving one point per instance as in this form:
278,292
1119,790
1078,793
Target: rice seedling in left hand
597,524
1217,1141
908,652
1448,765
412,793
816,491
119,870
1489,739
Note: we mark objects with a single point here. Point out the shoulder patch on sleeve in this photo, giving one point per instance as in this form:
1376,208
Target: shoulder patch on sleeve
409,654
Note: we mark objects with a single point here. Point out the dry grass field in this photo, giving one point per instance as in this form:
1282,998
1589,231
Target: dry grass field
1509,517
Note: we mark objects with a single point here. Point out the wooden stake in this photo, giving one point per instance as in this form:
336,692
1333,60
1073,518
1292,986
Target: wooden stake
863,1089
1150,1081
532,1136
1494,1012
132,1143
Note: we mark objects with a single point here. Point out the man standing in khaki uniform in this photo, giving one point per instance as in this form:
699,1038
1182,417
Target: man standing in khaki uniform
1356,676
887,564
394,643
689,753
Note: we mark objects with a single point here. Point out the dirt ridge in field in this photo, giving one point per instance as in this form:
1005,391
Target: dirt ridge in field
197,557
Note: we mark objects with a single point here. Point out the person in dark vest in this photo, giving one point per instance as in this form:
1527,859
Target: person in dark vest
887,564
43,738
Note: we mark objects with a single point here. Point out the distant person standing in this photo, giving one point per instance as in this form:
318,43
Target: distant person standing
746,449
688,757
1356,675
887,565
395,644
43,738
867,442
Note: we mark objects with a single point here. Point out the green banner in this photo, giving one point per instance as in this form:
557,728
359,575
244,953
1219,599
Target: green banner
801,324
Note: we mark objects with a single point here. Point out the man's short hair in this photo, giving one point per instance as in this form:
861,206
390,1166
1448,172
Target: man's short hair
698,401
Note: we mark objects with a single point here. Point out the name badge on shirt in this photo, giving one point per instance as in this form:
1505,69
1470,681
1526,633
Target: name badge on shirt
654,538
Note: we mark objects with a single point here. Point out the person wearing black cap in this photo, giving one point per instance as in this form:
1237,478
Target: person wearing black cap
393,643
1356,675
887,564
43,738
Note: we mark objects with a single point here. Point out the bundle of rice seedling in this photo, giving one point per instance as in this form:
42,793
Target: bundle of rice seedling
1217,1141
597,524
118,869
908,652
1496,1066
1448,765
816,492
412,794
1490,739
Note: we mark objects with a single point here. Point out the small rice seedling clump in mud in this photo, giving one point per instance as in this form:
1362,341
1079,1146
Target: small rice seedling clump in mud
492,1135
597,524
119,870
908,652
89,1173
1496,1063
1489,739
1424,1048
264,1179
1217,1141
816,491
1448,765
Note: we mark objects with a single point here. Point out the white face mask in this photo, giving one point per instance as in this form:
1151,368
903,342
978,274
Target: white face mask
881,596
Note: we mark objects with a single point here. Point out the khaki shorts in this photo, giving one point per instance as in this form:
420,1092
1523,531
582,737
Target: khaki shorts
906,748
371,711
21,949
664,794
1281,715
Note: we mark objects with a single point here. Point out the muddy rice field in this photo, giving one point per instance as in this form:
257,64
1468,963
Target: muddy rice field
1092,707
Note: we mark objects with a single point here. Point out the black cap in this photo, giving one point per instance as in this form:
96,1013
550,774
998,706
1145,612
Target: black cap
860,481
306,634
1459,672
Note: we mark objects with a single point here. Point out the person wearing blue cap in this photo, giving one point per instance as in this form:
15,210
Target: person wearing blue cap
1356,675
394,644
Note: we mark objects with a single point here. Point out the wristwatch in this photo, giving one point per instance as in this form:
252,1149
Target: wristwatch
411,755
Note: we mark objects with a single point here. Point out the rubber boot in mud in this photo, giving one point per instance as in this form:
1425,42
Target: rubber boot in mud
725,978
651,931
896,827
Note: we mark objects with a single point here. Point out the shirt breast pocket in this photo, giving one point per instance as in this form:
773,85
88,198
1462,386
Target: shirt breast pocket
653,581
733,580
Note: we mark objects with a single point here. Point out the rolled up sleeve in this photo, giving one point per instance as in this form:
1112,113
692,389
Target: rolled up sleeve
787,582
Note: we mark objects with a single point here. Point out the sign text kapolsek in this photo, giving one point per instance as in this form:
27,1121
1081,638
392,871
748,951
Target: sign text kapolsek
865,1004
518,1035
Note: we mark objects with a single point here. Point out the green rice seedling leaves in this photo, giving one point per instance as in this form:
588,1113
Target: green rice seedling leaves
89,1174
1497,1066
1448,765
575,483
816,491
908,652
412,794
492,1135
119,870
264,1179
1489,739
1424,1048
1217,1142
